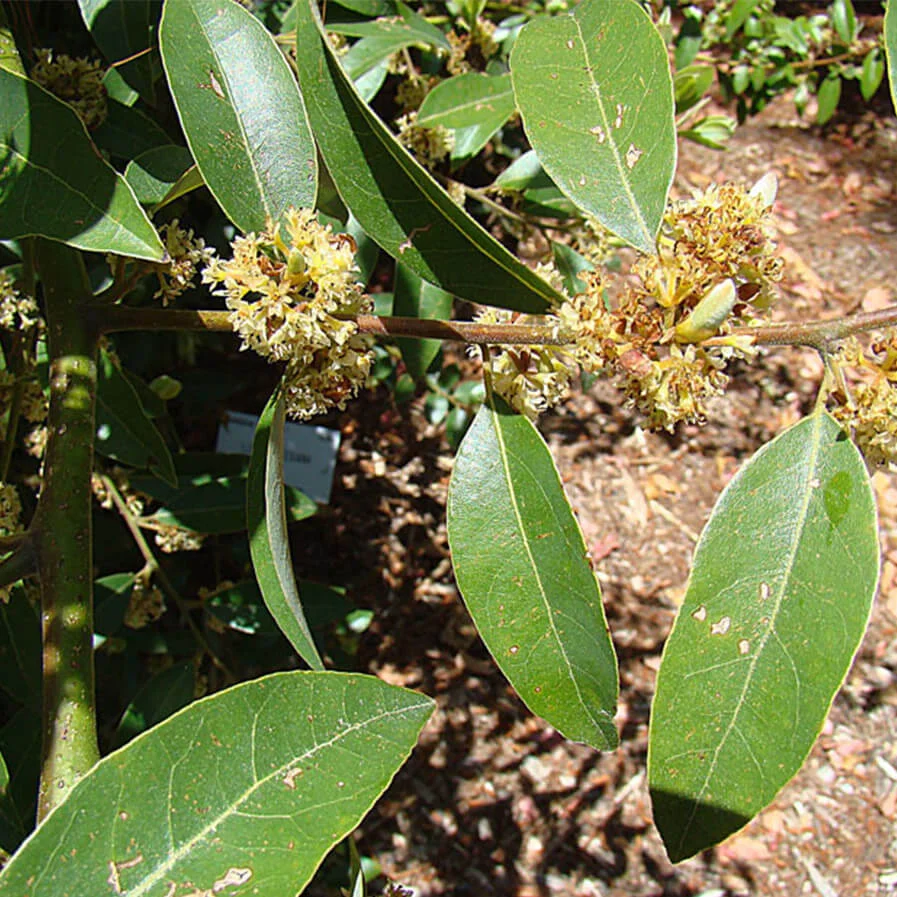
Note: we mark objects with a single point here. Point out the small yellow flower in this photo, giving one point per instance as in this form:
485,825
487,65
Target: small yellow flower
428,145
187,253
288,289
78,82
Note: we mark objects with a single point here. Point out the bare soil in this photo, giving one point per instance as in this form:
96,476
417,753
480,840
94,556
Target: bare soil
494,801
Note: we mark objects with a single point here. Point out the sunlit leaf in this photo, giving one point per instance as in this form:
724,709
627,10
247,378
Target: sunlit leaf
525,576
777,603
240,109
596,96
397,202
243,792
54,183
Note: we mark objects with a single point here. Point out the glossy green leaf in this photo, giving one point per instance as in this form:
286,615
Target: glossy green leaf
9,52
523,172
123,29
125,431
20,649
570,265
242,793
128,131
525,576
844,20
467,100
738,15
890,36
111,597
713,131
596,96
406,29
474,105
153,173
415,298
164,694
269,541
397,202
189,181
778,600
240,109
828,97
871,73
690,84
210,497
53,182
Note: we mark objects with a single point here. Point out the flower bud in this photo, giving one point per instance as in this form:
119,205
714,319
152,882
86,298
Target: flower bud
709,314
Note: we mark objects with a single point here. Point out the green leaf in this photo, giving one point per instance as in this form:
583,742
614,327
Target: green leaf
474,105
467,100
164,694
53,182
596,96
268,538
713,131
844,20
890,36
190,180
123,29
397,202
415,298
407,29
20,746
210,497
738,15
690,84
570,264
871,74
20,650
12,829
827,97
778,601
127,132
253,786
240,109
525,171
524,573
153,173
125,432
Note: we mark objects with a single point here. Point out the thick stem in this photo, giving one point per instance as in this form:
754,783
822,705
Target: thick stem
819,334
62,530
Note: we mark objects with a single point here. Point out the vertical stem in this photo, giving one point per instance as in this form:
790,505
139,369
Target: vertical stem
62,529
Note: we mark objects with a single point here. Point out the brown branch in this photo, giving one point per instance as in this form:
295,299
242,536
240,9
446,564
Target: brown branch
818,334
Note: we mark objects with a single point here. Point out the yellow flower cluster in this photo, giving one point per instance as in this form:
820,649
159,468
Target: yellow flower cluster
529,378
17,311
288,288
187,253
78,82
869,410
722,234
716,262
428,145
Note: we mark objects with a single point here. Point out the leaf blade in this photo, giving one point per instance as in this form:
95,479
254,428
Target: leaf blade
764,636
524,573
596,96
177,822
268,540
54,183
398,204
240,109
